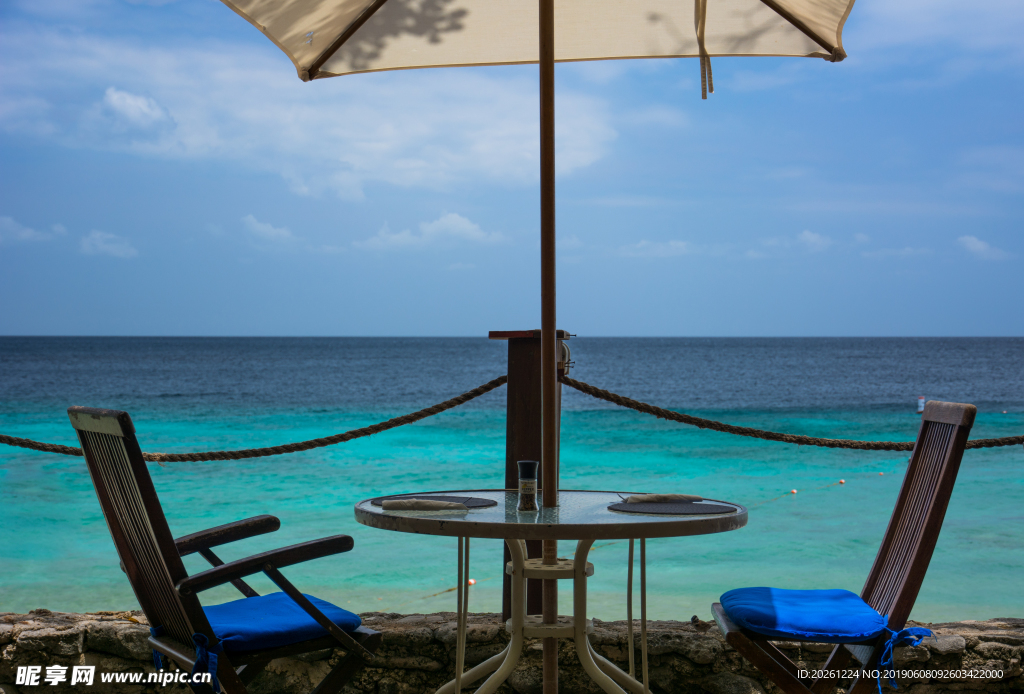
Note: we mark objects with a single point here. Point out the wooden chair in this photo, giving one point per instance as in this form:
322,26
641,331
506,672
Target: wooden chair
899,567
151,558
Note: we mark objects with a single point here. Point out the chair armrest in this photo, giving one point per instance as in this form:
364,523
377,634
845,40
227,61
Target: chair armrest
223,534
278,558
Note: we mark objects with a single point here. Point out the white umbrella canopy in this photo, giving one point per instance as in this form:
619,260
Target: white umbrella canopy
326,38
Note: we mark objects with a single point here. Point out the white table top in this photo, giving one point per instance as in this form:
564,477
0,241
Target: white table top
580,515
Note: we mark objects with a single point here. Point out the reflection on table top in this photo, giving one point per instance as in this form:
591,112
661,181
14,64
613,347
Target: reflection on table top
579,515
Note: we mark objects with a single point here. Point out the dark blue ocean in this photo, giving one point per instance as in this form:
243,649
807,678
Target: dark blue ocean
211,393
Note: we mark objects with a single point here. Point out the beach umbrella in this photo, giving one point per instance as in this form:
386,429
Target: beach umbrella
328,38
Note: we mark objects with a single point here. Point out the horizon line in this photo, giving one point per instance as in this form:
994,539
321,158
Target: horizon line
475,337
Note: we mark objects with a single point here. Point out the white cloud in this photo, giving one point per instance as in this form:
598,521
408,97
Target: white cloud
449,227
814,242
266,231
238,103
582,133
991,27
982,249
779,246
12,230
138,110
102,243
270,238
861,238
456,226
656,249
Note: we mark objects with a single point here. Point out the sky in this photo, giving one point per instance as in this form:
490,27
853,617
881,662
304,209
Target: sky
164,172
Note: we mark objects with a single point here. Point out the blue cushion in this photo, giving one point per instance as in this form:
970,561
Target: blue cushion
835,616
269,621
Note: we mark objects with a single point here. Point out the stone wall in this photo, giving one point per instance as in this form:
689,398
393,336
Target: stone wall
419,652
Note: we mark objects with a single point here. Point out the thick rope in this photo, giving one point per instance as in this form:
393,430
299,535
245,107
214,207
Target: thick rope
598,393
799,440
284,448
39,445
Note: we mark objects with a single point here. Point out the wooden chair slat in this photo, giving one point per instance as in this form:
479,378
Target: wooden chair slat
134,535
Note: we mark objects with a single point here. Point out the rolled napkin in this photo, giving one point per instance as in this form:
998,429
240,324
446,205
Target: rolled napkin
421,505
661,498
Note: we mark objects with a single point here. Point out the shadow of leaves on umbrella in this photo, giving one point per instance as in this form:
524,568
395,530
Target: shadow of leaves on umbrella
429,19
756,24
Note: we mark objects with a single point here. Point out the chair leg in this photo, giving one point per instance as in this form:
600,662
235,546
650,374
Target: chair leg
780,658
862,685
337,678
761,654
837,660
250,671
782,672
352,663
230,682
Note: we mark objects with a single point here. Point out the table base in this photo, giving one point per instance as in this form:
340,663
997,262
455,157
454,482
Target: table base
606,674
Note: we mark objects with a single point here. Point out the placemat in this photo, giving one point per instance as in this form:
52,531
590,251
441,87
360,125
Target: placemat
467,501
674,508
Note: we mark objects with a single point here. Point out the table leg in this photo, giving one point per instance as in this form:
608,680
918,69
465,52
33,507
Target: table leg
461,614
475,673
579,616
616,673
508,658
643,612
629,611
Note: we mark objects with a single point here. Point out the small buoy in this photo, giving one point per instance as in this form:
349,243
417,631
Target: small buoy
881,473
1004,411
471,581
842,481
920,404
792,491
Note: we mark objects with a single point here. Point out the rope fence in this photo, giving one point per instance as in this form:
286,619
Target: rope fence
799,440
284,448
608,396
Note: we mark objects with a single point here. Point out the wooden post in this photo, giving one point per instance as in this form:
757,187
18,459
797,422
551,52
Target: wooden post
523,438
548,341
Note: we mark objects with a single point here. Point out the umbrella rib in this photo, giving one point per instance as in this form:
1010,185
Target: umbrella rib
352,28
707,83
837,53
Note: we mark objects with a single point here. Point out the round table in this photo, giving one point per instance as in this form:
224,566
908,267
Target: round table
583,516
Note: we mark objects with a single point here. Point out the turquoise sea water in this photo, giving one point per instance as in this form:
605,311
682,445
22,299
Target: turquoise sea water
209,394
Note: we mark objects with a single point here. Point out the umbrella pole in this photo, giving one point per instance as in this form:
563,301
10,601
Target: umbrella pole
549,384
